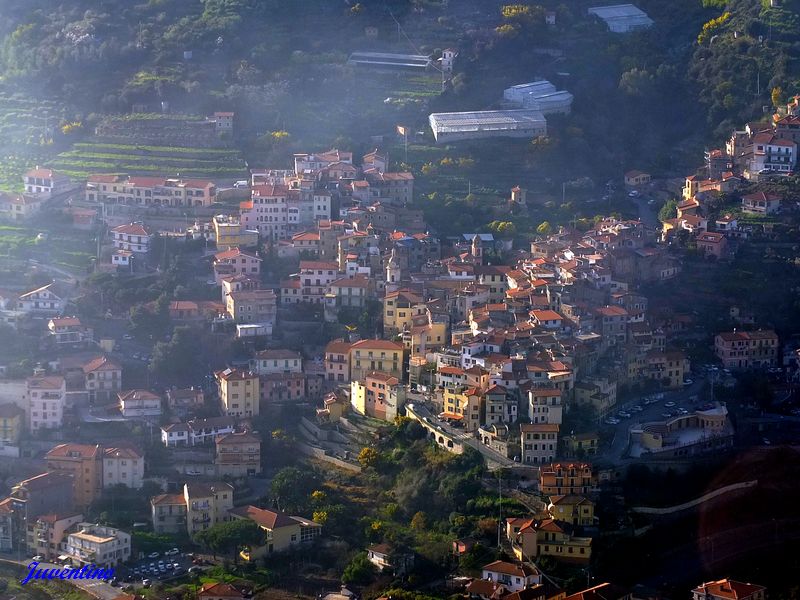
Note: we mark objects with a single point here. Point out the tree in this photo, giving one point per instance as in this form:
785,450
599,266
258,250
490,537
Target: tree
419,522
229,536
176,362
544,228
368,457
360,570
777,97
668,211
291,488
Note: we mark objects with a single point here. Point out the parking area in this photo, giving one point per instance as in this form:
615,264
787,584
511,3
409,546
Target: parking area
155,567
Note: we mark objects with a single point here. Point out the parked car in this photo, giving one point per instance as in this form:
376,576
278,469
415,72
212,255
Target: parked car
38,558
153,555
687,382
669,404
172,552
146,583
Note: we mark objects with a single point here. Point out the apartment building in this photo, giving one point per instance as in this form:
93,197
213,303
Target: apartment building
268,362
168,513
133,237
253,306
379,396
747,349
235,261
376,355
544,405
123,465
207,504
98,545
84,463
337,361
103,379
46,397
282,531
42,494
238,454
12,421
464,404
47,534
139,404
239,392
150,191
566,478
69,330
539,442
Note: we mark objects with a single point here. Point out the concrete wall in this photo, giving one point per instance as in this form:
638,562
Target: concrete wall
321,455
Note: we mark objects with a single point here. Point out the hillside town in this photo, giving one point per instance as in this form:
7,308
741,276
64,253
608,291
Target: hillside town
305,377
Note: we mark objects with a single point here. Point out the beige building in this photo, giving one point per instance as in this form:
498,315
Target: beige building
337,361
376,355
150,191
252,306
239,392
207,504
103,379
123,465
168,512
464,405
98,545
238,454
84,463
747,349
46,398
379,396
46,534
282,531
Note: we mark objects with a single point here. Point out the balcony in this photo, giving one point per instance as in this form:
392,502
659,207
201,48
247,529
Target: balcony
200,520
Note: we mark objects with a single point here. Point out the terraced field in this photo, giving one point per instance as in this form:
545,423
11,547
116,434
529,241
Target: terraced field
27,128
96,157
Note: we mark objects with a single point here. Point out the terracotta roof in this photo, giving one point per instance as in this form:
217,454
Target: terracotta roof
233,253
514,569
101,363
377,345
46,480
131,229
265,518
47,382
65,321
277,354
604,591
123,450
546,315
319,265
338,347
220,590
71,450
728,588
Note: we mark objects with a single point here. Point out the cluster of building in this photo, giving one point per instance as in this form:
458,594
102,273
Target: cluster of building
44,514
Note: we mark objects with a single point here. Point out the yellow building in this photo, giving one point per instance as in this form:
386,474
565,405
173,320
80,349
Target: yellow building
580,445
281,531
667,367
399,308
550,538
464,404
571,508
207,504
239,392
426,337
230,233
376,355
12,420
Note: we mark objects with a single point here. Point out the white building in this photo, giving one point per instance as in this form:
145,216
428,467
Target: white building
98,545
139,403
123,465
267,211
452,127
133,237
539,442
69,330
268,362
46,398
544,406
516,94
197,431
622,18
45,182
46,301
514,576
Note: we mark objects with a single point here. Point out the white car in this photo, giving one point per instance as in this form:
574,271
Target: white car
669,404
